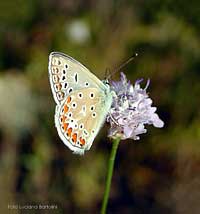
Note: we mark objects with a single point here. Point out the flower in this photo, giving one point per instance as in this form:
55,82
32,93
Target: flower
131,110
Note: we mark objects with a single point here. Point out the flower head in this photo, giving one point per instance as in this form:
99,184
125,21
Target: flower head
131,110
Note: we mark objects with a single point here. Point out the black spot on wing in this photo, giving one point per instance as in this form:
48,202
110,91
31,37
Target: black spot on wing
76,77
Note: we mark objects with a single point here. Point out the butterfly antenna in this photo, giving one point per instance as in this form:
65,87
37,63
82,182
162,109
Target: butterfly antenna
122,65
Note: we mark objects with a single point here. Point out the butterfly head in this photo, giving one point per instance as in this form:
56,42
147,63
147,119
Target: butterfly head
106,82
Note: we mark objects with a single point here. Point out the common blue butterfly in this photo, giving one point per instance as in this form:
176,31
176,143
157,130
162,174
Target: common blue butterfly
82,101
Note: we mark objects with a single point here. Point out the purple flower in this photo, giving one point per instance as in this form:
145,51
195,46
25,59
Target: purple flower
131,110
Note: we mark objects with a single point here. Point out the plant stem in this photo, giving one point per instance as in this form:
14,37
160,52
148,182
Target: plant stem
111,162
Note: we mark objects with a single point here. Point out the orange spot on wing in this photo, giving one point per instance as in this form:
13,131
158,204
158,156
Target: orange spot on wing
63,118
74,137
65,126
59,86
69,132
66,108
69,99
82,141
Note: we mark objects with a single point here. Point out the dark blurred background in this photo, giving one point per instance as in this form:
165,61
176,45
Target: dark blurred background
158,174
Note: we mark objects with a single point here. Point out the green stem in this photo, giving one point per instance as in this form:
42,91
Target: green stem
115,144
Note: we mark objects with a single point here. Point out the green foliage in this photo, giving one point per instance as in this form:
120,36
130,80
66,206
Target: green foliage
150,175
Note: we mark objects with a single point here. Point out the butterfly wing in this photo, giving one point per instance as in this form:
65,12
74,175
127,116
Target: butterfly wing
80,116
67,75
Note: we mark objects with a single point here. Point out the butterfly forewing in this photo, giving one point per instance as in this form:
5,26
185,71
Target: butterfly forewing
80,117
66,75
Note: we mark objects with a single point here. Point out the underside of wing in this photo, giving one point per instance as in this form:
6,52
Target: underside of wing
67,75
80,116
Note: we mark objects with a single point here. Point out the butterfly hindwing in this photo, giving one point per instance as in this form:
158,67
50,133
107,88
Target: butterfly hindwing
80,116
67,75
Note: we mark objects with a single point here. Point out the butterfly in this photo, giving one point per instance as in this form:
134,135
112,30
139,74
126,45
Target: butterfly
82,101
